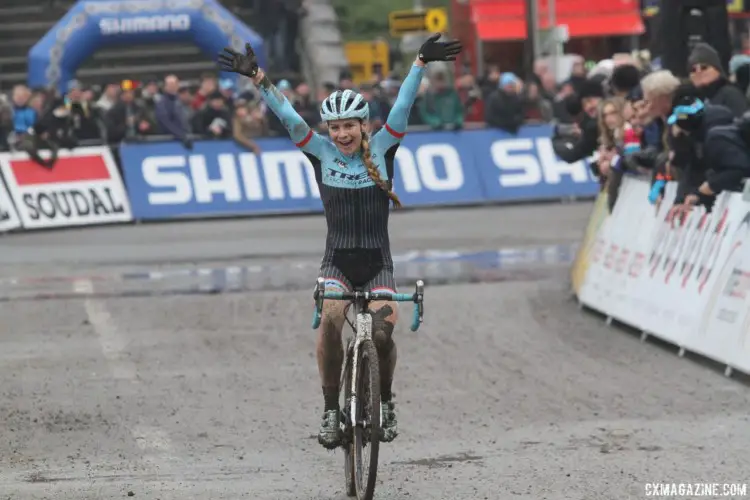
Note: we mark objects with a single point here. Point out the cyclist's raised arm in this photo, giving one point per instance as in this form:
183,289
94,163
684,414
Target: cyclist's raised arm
299,131
398,118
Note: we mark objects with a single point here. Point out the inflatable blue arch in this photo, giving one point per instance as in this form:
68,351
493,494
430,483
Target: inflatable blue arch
93,24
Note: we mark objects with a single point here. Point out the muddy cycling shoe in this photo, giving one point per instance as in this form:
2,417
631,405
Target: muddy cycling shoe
389,425
329,434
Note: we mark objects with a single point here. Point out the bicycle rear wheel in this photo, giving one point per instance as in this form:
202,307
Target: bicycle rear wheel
367,427
351,489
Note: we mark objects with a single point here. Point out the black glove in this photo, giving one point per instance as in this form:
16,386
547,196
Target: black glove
439,51
244,64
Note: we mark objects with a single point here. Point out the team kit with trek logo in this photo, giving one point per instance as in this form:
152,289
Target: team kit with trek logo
354,173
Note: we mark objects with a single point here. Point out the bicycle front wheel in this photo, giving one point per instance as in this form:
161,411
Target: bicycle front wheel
351,489
367,426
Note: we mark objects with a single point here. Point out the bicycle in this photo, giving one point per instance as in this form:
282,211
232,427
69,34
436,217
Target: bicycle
360,424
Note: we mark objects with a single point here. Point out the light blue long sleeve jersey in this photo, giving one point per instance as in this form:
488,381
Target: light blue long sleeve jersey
356,208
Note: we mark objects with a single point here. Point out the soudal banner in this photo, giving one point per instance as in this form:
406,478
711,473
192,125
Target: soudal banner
83,187
8,216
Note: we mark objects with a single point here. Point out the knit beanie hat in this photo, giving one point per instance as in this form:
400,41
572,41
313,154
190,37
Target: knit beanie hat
590,88
704,54
625,77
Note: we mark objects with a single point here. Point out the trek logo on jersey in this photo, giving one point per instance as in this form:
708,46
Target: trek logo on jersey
336,178
83,187
349,177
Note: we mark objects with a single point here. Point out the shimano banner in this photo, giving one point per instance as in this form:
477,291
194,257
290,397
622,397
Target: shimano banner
92,24
432,168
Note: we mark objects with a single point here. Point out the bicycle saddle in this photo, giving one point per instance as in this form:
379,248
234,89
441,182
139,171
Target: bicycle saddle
358,265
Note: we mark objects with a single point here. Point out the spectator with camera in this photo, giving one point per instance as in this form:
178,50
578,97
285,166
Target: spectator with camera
215,121
574,144
690,123
85,118
128,119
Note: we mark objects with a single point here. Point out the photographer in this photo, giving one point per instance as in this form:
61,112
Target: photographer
573,144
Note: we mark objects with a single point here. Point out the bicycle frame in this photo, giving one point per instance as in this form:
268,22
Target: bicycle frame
363,330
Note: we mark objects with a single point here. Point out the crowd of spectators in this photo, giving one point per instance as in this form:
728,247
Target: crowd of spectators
618,112
638,120
213,108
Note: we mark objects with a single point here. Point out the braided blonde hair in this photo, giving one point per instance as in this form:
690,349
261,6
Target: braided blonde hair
372,171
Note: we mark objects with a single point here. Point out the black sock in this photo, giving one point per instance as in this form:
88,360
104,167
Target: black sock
331,398
385,392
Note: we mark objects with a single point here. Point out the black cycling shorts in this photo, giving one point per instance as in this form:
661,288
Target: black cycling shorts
383,281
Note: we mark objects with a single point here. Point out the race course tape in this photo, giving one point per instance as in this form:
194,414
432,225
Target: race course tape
686,281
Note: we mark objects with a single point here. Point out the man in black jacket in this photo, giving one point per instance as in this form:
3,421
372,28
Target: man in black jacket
707,74
575,147
504,109
691,120
729,149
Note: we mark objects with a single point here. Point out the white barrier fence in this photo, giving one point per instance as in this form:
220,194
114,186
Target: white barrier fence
685,281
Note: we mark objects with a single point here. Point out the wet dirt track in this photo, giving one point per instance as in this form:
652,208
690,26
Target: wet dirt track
508,391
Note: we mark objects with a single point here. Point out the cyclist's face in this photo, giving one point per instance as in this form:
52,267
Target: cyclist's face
346,135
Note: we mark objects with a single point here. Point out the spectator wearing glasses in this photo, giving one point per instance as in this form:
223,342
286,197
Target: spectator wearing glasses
707,74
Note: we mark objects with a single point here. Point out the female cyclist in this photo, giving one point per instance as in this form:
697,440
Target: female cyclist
354,172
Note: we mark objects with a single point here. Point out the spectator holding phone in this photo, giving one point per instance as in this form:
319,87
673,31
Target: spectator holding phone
215,120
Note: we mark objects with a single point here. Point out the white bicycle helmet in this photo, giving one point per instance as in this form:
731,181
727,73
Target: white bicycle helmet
344,105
